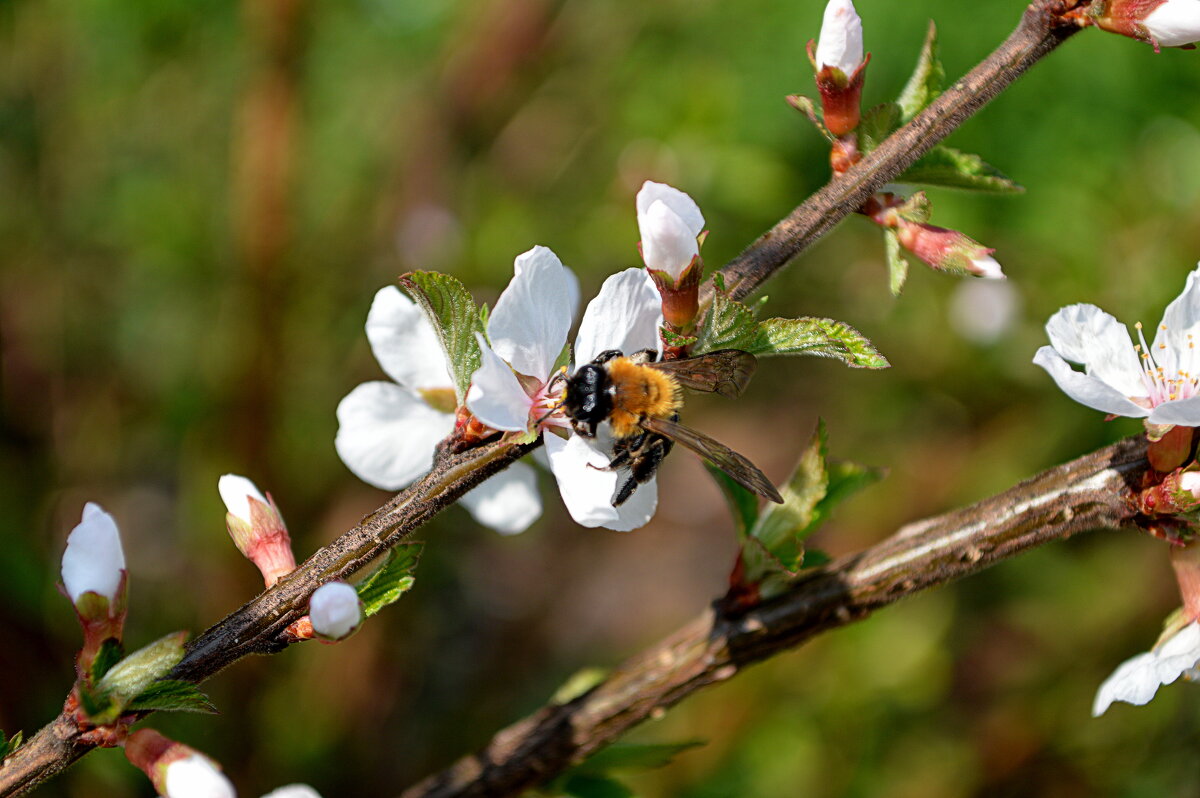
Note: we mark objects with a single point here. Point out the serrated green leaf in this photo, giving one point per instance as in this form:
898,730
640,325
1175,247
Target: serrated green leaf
110,654
672,338
925,84
781,528
728,324
634,756
743,504
587,785
816,337
809,108
9,744
390,580
170,695
876,125
916,208
947,167
451,309
897,264
131,676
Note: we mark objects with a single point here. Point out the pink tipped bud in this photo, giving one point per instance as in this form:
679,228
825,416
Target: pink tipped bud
257,528
1163,23
335,610
948,250
176,770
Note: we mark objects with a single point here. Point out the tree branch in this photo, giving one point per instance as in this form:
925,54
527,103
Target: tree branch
1039,33
1092,492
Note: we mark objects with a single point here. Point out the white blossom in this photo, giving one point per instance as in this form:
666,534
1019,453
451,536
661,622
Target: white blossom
1136,680
195,776
387,431
841,43
335,610
236,491
670,223
1159,381
94,559
293,791
1175,23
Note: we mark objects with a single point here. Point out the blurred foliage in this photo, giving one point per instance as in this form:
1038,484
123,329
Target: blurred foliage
201,198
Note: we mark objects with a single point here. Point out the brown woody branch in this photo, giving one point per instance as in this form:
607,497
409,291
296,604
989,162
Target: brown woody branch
1093,492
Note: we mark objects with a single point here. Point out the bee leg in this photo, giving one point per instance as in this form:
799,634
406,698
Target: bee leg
643,464
623,451
606,355
644,356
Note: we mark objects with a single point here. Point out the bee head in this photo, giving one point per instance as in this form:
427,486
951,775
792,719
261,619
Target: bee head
588,400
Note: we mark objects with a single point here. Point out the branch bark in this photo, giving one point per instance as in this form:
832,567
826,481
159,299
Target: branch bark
1092,492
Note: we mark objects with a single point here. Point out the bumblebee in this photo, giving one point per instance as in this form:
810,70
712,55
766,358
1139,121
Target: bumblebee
640,397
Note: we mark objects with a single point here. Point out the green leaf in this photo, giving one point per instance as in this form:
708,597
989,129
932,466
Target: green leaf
950,168
10,744
451,309
484,314
925,84
634,756
110,654
587,785
809,108
390,580
672,338
782,527
815,558
876,125
743,504
897,265
131,676
728,324
816,337
170,695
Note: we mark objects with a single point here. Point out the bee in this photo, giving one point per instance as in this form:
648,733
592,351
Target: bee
640,396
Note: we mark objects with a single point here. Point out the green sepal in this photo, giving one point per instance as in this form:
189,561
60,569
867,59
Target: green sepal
484,314
672,338
897,264
130,677
917,208
10,744
728,324
810,110
110,653
925,84
451,309
743,504
818,338
588,785
390,580
946,167
876,125
172,695
578,683
815,558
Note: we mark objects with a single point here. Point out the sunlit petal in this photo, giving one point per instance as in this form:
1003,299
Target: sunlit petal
625,315
496,396
404,342
386,435
1086,389
1135,681
508,502
587,490
1086,334
532,317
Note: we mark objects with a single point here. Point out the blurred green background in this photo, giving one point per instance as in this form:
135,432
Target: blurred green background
201,197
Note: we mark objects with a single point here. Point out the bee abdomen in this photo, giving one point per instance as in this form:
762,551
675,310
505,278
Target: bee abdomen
639,391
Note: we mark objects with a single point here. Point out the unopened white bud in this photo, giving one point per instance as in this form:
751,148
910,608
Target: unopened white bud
93,560
841,42
196,776
986,267
294,791
335,610
1175,23
670,223
237,491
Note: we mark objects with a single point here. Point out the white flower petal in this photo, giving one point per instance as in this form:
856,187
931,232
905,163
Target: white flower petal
587,490
496,396
1135,681
1086,389
293,791
682,204
508,502
405,343
532,317
236,491
841,41
94,558
1086,334
1179,654
386,435
625,315
1181,411
1172,348
1175,23
987,267
196,776
667,244
334,610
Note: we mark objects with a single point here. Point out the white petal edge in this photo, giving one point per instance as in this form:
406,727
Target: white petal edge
1175,23
94,558
987,267
533,315
405,343
508,502
195,776
667,244
1086,334
236,491
293,791
386,436
1135,681
678,201
1179,654
335,610
1172,347
1085,389
587,490
1181,411
625,315
841,41
496,396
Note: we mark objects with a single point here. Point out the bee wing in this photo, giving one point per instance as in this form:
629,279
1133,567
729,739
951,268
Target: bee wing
739,468
725,372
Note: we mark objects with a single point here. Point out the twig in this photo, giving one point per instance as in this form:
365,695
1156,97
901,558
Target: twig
1092,492
1038,34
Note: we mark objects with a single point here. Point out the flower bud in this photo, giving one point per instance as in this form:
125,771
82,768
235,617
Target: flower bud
672,229
948,250
94,577
176,770
257,528
840,66
335,610
293,791
1162,23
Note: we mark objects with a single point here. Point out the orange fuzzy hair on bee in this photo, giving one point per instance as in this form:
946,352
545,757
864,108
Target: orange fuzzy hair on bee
638,392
